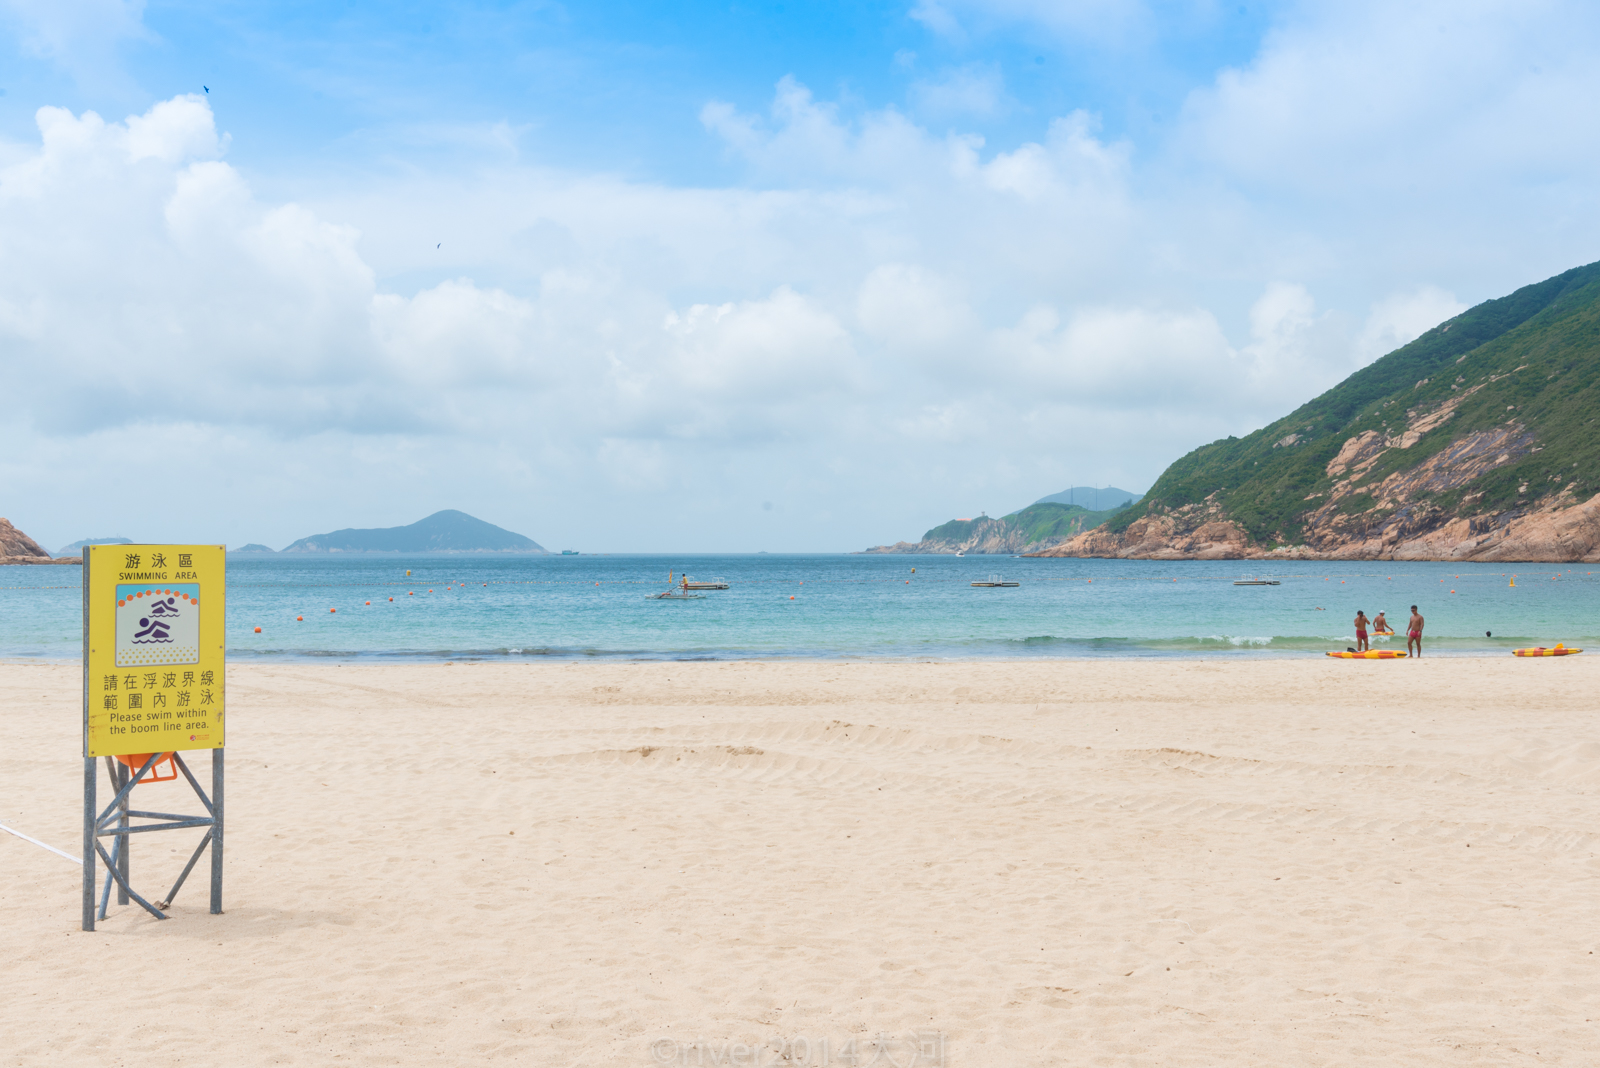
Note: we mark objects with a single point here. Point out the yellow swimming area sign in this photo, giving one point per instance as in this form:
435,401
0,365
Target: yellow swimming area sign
153,646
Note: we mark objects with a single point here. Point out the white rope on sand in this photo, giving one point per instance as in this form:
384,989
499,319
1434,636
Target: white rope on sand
41,845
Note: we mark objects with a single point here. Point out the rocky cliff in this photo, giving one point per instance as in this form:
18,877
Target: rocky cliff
1477,441
17,548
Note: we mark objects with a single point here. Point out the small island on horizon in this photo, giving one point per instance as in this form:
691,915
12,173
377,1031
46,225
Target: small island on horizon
447,531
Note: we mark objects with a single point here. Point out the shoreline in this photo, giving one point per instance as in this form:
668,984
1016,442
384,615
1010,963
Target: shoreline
1237,654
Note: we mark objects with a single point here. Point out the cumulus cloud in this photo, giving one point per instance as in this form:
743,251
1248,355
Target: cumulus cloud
875,317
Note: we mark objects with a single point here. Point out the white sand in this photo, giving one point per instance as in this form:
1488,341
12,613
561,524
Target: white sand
1129,863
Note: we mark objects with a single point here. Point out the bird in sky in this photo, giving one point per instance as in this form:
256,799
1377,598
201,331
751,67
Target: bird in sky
207,88
439,245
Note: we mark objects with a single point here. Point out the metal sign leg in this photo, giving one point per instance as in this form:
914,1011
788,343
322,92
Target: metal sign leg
216,832
91,777
120,782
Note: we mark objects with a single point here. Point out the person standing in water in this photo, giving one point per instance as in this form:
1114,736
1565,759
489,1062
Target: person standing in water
1380,625
1414,631
1361,631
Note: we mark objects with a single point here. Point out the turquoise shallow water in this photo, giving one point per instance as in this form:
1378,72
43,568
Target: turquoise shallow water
843,606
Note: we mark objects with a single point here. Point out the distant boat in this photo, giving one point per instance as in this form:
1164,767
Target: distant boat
681,592
1251,580
570,552
961,552
995,580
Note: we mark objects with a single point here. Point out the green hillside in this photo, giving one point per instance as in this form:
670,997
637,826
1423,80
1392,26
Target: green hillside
1033,525
1519,373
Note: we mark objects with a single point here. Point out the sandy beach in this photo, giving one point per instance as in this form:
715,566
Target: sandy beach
1073,863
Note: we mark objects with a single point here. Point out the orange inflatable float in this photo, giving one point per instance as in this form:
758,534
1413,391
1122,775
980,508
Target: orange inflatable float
1370,654
135,761
1539,650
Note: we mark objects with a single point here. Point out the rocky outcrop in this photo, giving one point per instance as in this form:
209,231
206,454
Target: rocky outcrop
1194,532
898,547
1391,519
17,548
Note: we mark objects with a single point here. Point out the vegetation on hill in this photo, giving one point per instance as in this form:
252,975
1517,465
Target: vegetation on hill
1525,367
1034,526
1094,498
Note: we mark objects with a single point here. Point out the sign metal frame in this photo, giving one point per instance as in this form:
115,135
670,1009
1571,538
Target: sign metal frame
100,640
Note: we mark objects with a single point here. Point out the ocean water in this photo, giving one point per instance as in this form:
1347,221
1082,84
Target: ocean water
872,607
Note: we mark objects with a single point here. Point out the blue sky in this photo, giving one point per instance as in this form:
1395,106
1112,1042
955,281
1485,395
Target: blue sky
614,86
780,276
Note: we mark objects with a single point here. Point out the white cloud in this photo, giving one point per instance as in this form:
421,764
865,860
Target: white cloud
1103,22
80,36
877,317
969,90
1401,318
1352,98
906,308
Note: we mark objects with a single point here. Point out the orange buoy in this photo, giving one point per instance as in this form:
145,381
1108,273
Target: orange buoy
412,593
1452,591
791,597
391,600
369,602
135,761
258,630
300,619
332,610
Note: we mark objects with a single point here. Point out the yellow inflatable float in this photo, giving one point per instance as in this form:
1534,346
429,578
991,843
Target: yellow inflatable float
1559,650
1370,654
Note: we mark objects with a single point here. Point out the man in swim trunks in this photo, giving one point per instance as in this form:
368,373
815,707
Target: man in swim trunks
1361,631
1380,625
1414,631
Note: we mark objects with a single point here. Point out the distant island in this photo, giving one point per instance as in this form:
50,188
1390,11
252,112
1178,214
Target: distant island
448,531
253,547
1036,527
76,548
1476,441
